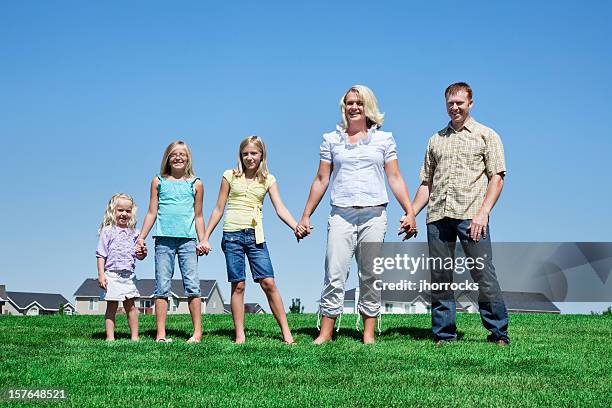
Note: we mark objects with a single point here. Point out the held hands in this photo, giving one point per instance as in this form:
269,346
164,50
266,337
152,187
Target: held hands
203,248
303,229
408,227
141,249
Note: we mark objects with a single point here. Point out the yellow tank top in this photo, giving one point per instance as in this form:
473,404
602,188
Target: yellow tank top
245,204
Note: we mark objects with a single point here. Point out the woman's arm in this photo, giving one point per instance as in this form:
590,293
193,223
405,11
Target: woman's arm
282,211
216,214
151,214
400,191
317,191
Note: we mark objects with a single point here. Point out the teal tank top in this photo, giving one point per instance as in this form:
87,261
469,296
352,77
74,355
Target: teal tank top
175,210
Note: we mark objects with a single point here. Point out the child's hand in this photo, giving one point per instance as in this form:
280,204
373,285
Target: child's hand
102,281
203,248
141,251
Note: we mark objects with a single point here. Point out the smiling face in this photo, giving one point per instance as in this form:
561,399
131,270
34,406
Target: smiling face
123,212
458,106
354,110
251,157
178,158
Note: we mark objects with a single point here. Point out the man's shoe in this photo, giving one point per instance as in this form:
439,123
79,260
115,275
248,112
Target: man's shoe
441,343
501,343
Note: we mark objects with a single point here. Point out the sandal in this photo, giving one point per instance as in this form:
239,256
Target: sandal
192,340
164,340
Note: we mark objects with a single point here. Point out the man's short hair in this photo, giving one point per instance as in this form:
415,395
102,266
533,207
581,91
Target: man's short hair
456,87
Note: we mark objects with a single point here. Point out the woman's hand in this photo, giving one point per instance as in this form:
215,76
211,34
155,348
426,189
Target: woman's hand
303,228
408,226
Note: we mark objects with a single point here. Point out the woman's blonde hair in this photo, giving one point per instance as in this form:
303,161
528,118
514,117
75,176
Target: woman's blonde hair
109,214
370,104
165,163
262,171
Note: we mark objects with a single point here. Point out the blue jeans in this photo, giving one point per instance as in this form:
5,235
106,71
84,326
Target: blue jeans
166,249
441,238
235,246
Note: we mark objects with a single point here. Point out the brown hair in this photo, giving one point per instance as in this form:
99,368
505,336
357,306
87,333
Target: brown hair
456,87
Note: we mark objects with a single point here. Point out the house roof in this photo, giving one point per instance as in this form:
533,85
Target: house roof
146,287
515,301
47,301
248,308
2,293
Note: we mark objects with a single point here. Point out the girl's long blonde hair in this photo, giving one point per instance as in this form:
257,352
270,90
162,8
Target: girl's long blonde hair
109,214
165,163
370,104
262,171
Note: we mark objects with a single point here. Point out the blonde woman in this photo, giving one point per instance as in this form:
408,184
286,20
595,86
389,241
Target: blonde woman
243,189
116,258
354,159
176,203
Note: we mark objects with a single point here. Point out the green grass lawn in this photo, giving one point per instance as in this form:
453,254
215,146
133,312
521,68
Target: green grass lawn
552,360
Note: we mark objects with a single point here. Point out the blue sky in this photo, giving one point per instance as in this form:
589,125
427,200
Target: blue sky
93,92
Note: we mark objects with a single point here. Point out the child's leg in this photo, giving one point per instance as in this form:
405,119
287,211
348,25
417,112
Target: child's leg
109,319
165,250
195,308
188,262
369,323
161,312
276,305
132,315
237,305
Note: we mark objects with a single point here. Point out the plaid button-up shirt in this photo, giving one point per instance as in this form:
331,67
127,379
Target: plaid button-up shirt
458,166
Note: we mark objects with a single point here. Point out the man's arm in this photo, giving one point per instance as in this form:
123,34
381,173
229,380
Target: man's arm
478,226
421,198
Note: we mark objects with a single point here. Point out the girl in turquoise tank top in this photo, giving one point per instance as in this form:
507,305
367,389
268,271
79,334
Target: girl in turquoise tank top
176,203
243,190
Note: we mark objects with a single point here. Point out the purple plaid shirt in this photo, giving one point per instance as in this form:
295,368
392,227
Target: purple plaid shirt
118,248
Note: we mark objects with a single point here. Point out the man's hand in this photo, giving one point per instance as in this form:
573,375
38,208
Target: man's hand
478,226
408,227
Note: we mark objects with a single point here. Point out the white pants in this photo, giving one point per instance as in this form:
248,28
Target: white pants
348,227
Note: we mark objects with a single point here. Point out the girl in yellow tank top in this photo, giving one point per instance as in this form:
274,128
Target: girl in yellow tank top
243,189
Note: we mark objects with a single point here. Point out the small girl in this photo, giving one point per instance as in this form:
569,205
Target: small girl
116,255
244,189
176,204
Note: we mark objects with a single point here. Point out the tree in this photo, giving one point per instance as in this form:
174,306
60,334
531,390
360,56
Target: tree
607,312
296,306
61,309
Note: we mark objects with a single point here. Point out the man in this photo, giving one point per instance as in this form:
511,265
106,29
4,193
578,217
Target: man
461,179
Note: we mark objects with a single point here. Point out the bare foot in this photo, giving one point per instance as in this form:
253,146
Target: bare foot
194,340
240,340
321,340
135,338
368,340
110,339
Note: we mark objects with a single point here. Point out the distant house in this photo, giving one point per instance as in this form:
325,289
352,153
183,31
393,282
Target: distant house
34,304
516,302
87,297
3,299
400,302
248,308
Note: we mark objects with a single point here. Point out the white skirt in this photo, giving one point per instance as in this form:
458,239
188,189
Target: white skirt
120,285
